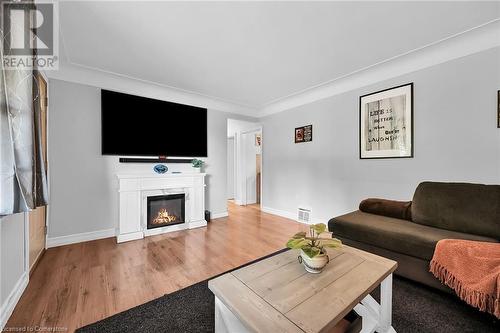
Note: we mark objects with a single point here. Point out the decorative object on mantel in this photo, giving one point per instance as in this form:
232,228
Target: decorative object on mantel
160,168
304,134
498,109
197,163
313,254
386,123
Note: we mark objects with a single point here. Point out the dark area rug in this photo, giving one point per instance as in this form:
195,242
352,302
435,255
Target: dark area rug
416,308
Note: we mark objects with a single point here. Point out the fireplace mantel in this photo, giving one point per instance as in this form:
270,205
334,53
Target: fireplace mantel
134,188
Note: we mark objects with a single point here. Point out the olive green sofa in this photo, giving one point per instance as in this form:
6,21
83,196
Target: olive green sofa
438,211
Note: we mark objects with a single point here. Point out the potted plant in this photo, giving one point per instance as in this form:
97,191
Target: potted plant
197,164
313,254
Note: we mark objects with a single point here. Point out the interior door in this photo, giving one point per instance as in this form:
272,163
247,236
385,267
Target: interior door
230,168
38,216
250,174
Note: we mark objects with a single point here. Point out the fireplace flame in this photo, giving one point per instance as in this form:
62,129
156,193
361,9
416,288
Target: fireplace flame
164,217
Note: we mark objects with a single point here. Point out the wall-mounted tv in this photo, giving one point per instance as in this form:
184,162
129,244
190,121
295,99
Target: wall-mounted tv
139,126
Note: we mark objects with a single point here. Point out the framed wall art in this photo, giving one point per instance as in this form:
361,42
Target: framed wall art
498,109
258,140
386,123
303,134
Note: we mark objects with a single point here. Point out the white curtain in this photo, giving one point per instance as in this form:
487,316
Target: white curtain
8,183
22,176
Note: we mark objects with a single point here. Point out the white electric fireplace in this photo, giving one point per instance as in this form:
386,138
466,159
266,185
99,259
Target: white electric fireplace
152,204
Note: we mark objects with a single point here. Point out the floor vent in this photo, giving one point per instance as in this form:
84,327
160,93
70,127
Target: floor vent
304,215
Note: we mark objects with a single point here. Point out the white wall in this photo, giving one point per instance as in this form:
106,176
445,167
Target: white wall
83,193
13,263
455,138
235,126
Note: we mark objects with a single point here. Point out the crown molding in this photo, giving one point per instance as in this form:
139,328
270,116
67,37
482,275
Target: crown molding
76,73
477,39
474,40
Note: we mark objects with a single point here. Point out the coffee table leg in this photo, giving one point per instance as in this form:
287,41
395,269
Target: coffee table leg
377,317
385,319
225,320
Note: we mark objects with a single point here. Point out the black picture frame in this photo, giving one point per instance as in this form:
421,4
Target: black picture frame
303,134
498,109
411,122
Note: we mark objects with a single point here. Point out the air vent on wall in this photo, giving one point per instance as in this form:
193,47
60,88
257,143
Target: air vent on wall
304,215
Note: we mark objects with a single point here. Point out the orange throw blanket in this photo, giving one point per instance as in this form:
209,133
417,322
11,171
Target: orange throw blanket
472,270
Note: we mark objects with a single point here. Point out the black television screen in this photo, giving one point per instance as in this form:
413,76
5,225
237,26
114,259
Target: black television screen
139,126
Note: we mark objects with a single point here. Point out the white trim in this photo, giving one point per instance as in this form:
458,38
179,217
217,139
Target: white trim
114,81
282,213
10,303
219,215
130,236
480,38
292,216
26,243
78,238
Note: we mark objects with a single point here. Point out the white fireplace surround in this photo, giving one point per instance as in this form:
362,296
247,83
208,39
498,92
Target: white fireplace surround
134,189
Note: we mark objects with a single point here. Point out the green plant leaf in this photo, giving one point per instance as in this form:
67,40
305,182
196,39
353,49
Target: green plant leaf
297,243
311,252
298,235
334,242
319,228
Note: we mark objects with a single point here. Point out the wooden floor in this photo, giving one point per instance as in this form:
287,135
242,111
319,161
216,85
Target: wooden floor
79,284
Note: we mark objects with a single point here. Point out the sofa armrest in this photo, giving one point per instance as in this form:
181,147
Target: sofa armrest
389,208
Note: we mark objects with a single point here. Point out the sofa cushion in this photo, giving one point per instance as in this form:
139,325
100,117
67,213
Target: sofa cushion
463,207
394,234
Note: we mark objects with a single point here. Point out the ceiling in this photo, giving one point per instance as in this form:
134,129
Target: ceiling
254,53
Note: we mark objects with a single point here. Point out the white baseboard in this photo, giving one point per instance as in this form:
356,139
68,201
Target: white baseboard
78,238
282,213
292,216
219,215
10,303
197,224
130,236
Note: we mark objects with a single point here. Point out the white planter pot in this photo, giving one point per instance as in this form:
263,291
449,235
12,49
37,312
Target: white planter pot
313,265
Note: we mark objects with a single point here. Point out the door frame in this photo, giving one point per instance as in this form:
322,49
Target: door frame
39,74
233,137
243,165
47,170
44,77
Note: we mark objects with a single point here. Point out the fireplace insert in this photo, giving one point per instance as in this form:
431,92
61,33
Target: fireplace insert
165,210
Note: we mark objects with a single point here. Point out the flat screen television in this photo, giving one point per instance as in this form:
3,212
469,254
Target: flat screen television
139,126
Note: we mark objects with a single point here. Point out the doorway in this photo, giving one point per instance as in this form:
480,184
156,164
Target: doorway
38,216
231,168
252,166
244,163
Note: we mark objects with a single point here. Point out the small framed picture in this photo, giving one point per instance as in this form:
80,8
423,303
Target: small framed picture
498,109
386,123
303,134
258,140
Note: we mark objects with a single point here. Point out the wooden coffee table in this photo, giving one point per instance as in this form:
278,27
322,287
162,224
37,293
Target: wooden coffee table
277,295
